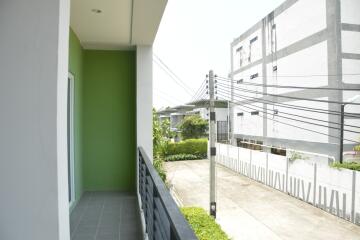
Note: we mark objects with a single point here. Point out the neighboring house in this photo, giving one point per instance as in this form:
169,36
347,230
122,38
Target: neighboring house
76,122
178,113
301,43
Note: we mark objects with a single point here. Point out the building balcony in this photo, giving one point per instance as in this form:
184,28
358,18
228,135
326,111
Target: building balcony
114,215
77,79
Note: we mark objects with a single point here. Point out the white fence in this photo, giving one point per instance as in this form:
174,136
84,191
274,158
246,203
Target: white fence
305,176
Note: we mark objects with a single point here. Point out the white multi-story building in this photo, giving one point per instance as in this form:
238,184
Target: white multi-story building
302,43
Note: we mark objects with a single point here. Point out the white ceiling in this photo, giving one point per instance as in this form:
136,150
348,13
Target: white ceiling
121,24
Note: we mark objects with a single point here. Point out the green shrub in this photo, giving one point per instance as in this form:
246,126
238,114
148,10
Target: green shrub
204,226
357,148
159,166
348,165
193,127
196,147
181,156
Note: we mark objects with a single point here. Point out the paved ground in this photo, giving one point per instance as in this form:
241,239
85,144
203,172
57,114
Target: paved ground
250,210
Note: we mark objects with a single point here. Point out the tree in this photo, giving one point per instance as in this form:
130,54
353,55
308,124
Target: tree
159,144
357,147
165,129
193,127
157,137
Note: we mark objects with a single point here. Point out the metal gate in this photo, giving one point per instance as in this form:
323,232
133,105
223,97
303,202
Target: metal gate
222,131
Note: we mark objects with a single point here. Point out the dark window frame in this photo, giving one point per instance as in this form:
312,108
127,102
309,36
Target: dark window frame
254,76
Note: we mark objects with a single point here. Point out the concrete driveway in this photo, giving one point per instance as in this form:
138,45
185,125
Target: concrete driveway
250,210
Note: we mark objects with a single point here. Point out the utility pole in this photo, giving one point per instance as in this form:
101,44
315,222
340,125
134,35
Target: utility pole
212,139
342,132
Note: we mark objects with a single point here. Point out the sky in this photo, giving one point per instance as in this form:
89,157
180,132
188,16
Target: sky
194,36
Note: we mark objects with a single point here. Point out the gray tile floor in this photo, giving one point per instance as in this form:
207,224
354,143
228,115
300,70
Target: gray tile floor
106,215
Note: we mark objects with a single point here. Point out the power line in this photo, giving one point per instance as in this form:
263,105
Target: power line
168,100
309,75
201,96
296,115
287,86
175,77
175,80
171,97
199,89
290,106
289,97
298,120
305,129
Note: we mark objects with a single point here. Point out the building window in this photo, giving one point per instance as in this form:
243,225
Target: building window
255,113
241,55
240,114
253,40
277,151
250,144
254,76
240,81
250,46
273,39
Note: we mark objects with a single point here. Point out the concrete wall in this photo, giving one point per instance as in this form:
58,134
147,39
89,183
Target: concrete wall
144,101
109,116
33,152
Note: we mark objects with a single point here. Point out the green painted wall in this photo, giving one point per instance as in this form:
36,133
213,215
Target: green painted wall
105,118
109,120
76,68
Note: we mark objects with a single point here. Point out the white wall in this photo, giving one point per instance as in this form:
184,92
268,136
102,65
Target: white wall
33,163
144,101
279,130
350,41
248,124
302,19
350,11
311,62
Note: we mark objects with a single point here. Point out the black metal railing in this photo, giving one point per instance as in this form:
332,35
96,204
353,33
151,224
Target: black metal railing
163,218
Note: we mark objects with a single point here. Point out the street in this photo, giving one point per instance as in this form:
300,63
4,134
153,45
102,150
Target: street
247,209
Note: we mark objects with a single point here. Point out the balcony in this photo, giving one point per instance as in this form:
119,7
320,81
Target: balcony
106,215
116,215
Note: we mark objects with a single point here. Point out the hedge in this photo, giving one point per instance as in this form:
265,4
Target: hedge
348,165
204,226
159,166
181,157
196,147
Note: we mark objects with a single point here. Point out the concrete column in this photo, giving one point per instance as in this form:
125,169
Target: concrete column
33,126
333,22
231,105
264,75
144,83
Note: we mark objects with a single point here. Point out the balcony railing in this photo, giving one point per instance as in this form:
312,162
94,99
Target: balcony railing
163,218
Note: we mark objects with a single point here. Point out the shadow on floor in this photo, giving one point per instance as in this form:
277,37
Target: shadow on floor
106,215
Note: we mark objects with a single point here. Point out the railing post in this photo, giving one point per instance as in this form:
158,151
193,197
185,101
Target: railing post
287,175
352,216
250,175
267,169
314,190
